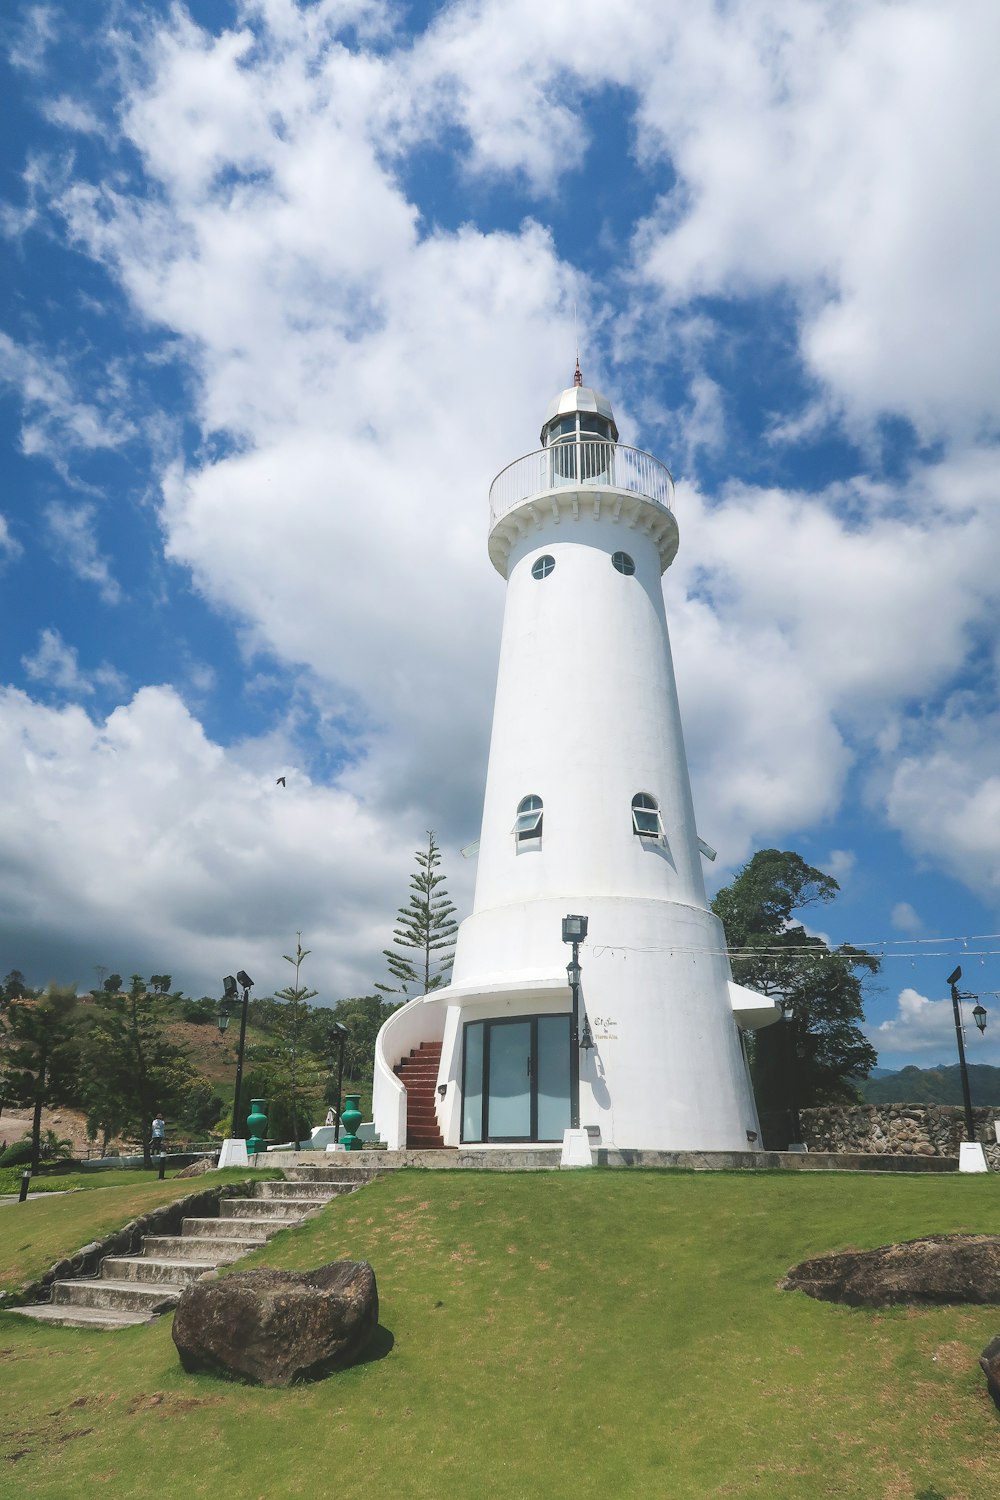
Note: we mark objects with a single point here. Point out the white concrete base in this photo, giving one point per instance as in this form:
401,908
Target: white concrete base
233,1154
576,1149
972,1157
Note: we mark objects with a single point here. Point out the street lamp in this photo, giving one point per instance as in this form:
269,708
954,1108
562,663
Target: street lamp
340,1034
574,930
788,1015
979,1016
230,995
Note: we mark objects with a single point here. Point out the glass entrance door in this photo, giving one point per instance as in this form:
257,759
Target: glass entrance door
516,1079
509,1093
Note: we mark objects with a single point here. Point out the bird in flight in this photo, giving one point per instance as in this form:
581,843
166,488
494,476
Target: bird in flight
280,781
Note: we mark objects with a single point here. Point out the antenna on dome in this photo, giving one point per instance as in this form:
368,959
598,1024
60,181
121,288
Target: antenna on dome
578,376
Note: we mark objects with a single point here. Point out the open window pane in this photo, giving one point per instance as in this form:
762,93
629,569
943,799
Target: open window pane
528,825
647,823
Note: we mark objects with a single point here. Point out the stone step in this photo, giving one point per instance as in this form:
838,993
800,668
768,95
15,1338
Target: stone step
120,1296
153,1268
201,1247
308,1192
232,1229
82,1317
288,1209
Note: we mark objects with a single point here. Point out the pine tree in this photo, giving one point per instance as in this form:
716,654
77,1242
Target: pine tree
41,1053
131,1067
426,930
297,1073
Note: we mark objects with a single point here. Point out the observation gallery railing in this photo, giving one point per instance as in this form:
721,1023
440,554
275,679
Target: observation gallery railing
582,462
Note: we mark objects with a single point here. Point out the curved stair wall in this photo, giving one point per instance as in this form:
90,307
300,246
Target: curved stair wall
420,1020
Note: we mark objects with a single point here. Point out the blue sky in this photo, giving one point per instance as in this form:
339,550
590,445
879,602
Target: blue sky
286,284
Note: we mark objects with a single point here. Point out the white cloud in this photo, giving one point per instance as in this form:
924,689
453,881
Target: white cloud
58,420
919,1026
373,376
31,38
10,547
943,794
841,864
905,919
71,530
137,841
73,115
57,664
923,1032
380,381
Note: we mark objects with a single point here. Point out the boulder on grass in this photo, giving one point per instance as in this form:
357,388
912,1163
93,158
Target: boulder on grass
276,1328
990,1364
939,1269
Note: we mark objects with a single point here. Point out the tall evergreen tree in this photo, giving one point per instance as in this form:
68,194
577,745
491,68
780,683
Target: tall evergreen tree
301,1073
41,1054
131,1068
818,1056
425,933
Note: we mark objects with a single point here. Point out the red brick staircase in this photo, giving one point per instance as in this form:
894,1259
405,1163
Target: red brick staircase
418,1074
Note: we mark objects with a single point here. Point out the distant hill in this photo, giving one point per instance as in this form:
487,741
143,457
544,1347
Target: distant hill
932,1086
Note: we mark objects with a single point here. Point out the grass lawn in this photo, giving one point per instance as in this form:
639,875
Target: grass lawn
556,1337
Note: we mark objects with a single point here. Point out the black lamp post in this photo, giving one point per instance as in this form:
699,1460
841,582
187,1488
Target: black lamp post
574,930
230,994
979,1016
788,1016
339,1034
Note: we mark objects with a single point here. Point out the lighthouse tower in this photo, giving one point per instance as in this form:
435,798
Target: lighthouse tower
587,812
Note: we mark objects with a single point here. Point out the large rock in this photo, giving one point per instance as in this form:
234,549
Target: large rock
990,1363
940,1269
276,1328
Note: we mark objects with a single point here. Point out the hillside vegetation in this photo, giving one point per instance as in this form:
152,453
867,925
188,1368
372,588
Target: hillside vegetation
933,1086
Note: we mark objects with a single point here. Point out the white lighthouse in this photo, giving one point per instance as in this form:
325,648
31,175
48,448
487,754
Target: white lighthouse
587,812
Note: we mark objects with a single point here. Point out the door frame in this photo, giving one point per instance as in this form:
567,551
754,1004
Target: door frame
487,1023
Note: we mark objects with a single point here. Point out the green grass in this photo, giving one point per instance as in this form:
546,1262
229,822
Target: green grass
34,1235
611,1334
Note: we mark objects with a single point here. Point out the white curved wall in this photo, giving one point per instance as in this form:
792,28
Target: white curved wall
420,1020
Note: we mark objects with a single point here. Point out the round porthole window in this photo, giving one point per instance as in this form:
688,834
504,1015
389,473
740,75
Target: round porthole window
623,562
542,566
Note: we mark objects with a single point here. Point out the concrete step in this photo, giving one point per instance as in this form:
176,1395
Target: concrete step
82,1317
212,1249
151,1268
232,1229
287,1209
308,1192
120,1296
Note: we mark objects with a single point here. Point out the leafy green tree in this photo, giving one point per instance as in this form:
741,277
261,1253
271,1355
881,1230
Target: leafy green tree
16,987
816,1057
42,1054
363,1017
425,932
131,1067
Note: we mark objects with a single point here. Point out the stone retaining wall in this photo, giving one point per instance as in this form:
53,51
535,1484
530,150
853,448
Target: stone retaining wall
897,1129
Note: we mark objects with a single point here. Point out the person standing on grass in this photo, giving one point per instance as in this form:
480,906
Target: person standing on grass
158,1133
